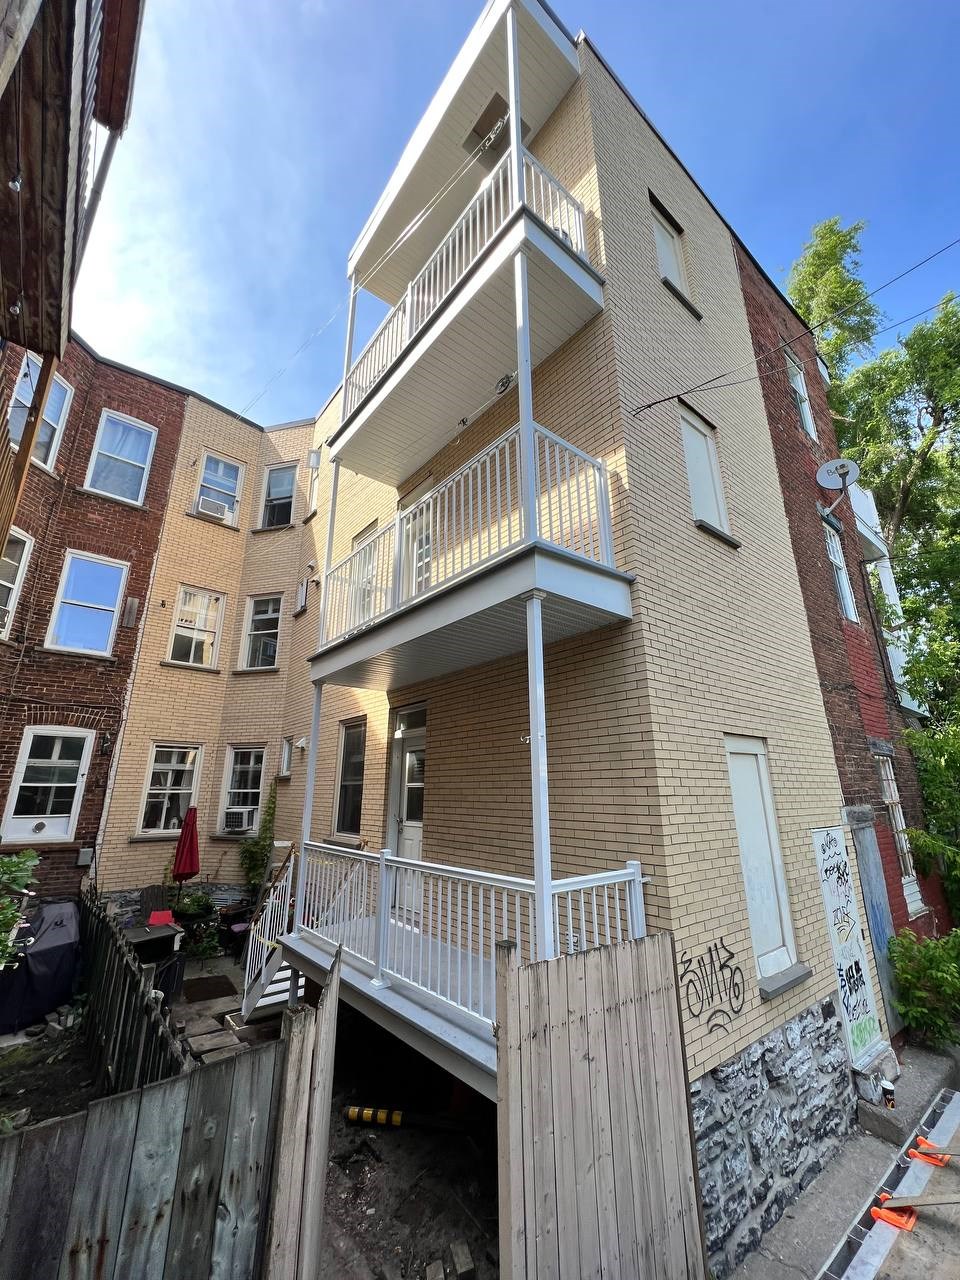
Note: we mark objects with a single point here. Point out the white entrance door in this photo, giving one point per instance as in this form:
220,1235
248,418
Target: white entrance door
413,757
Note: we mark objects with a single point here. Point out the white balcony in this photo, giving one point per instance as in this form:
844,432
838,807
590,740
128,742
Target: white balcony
439,352
419,940
441,587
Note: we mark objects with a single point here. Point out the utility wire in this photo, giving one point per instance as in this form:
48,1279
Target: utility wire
700,386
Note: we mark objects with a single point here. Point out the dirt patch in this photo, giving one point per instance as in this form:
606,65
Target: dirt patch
51,1077
399,1197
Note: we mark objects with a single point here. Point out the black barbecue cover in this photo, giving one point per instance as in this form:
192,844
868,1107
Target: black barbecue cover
46,972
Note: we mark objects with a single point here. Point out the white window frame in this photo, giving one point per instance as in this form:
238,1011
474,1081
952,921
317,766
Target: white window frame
234,517
133,422
16,587
737,745
801,395
174,629
278,466
165,744
303,594
243,663
11,833
286,758
841,575
693,422
313,486
675,239
352,723
898,825
58,601
58,427
232,750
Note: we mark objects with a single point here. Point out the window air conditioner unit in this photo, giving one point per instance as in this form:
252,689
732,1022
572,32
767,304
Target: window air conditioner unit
239,819
211,507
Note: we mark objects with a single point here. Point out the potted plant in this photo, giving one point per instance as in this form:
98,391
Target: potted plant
193,908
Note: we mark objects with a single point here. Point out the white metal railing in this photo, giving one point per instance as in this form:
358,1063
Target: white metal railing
460,248
436,927
272,920
467,521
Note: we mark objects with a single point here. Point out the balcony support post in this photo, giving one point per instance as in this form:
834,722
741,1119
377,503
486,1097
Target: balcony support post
528,442
513,83
540,794
348,353
308,790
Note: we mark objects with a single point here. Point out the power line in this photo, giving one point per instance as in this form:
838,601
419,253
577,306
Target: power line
700,386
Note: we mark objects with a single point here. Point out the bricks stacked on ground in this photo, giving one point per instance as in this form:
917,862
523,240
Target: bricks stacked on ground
42,686
859,695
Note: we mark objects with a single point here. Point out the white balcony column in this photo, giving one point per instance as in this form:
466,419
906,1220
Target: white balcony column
540,792
513,102
328,553
348,352
528,441
308,790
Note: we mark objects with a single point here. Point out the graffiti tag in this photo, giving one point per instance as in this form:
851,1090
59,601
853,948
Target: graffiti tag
712,984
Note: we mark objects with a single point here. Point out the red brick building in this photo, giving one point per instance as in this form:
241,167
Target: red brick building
877,773
73,580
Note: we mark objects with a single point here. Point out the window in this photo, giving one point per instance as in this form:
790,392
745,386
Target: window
55,411
349,795
171,782
278,497
898,824
262,631
762,862
44,798
841,577
196,628
703,471
244,774
799,386
286,758
220,486
88,599
121,458
312,490
668,236
13,570
302,589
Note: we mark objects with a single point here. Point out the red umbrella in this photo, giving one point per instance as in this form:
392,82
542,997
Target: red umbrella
186,861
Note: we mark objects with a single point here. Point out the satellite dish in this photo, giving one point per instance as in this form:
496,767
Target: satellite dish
838,473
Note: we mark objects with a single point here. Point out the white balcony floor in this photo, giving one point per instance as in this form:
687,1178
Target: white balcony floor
452,365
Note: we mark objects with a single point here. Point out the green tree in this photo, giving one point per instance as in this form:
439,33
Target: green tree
825,287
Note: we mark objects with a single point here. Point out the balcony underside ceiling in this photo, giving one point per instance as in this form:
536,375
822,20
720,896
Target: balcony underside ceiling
548,67
479,620
452,366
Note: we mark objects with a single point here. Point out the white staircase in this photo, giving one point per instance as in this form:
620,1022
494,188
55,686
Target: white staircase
267,977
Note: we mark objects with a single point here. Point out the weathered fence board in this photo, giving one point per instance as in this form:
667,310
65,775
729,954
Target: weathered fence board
40,1200
597,1171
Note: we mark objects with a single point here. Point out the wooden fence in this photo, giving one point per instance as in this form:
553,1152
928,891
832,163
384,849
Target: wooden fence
213,1175
597,1171
130,1040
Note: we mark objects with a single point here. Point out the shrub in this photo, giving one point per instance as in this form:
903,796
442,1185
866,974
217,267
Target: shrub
928,984
255,851
16,877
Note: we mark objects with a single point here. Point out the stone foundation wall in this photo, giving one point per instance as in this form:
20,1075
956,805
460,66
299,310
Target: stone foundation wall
223,895
766,1123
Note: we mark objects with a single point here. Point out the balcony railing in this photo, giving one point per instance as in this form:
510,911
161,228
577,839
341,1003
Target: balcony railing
436,927
464,243
468,521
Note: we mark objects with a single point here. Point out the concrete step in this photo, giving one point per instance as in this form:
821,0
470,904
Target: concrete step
923,1073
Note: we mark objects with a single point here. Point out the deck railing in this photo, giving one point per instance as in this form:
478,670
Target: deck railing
463,244
467,521
436,927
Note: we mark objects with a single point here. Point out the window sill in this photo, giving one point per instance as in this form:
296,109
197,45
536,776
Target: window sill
681,297
160,838
254,671
720,534
74,653
84,491
297,612
779,983
190,666
311,515
221,524
230,836
345,842
271,528
283,777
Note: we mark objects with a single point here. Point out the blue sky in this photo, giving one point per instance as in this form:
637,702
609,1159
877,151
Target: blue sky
263,132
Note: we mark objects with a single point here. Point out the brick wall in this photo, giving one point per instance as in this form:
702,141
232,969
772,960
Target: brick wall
41,686
859,695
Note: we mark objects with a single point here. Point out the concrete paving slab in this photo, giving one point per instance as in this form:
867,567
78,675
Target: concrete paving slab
923,1073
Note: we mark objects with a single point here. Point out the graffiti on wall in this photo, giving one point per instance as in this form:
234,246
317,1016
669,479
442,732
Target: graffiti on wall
712,986
857,1001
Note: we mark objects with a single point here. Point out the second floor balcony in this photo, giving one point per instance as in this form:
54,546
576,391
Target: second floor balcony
439,351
